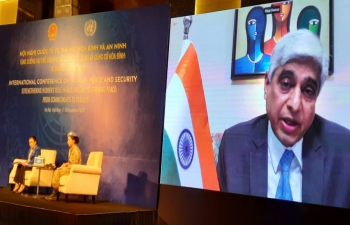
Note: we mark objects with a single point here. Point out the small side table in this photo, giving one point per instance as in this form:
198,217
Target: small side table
40,167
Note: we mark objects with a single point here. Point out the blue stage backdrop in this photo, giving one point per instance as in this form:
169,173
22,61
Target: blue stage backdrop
101,75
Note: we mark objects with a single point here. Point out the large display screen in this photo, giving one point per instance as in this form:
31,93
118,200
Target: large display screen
203,103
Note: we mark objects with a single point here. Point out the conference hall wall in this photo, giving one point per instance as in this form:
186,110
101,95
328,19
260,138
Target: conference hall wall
211,87
101,75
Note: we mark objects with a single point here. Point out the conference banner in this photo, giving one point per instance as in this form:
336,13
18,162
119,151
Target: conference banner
100,75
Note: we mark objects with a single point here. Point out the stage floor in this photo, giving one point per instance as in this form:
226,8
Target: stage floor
21,209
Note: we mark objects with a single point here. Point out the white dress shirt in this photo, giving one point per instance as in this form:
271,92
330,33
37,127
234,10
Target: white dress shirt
275,152
29,154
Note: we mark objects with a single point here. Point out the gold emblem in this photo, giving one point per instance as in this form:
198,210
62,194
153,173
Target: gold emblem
52,31
90,27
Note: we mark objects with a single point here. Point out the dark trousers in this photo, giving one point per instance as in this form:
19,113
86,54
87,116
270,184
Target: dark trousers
19,177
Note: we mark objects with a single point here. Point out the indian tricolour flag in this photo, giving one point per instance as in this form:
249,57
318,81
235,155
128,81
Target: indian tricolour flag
188,157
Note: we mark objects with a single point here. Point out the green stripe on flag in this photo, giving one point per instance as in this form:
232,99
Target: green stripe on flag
169,173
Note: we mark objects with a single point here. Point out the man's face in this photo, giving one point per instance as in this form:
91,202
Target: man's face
290,99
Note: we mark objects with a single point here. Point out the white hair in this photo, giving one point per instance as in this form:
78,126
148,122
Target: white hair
299,44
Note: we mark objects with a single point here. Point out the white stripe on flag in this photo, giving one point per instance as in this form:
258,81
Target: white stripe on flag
184,48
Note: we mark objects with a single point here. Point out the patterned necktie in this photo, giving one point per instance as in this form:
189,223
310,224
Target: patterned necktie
283,190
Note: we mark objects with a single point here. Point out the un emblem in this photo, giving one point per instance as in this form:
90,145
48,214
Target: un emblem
185,149
90,27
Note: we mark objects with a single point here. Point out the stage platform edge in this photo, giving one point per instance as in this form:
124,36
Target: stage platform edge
20,209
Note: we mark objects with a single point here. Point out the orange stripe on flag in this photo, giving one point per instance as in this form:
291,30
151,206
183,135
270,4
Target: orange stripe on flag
189,73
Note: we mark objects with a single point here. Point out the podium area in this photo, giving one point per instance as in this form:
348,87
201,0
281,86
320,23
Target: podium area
23,209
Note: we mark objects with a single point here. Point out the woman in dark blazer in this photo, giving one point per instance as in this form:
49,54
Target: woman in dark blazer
34,151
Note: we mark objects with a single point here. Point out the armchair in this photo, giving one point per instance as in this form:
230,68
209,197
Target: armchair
83,179
31,177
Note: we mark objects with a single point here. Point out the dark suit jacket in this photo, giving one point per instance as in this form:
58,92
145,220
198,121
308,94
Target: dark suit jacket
242,161
35,153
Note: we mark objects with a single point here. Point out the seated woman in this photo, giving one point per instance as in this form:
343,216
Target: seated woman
34,151
74,157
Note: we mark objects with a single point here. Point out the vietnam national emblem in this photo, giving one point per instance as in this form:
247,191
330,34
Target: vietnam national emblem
52,31
90,27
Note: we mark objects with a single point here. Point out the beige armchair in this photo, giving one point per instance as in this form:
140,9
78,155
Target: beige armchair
83,179
31,177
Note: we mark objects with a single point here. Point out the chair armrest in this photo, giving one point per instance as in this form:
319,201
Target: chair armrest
85,169
19,160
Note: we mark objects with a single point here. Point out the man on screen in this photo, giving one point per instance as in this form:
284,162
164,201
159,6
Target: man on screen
290,152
